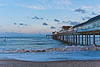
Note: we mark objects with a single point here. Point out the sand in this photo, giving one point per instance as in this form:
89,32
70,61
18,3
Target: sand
68,63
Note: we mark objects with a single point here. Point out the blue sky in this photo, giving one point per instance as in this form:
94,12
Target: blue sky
21,17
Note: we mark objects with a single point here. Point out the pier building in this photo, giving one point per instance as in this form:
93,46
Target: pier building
86,33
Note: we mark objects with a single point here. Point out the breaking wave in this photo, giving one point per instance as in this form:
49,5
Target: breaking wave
60,49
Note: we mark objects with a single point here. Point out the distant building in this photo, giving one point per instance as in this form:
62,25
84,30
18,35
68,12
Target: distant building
65,27
55,32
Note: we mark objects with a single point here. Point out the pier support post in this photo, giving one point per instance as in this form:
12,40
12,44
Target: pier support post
60,37
72,38
76,38
94,38
99,38
63,37
82,39
79,38
87,39
46,36
53,37
67,38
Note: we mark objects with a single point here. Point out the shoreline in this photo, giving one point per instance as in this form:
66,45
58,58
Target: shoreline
66,63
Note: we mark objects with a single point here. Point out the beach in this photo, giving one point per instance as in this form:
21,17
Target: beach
68,63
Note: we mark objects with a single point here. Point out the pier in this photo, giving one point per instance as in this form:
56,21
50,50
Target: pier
86,33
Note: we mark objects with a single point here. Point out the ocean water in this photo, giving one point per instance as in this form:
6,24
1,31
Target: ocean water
42,49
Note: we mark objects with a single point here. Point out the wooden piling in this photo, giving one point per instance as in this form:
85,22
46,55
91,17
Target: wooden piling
67,38
76,38
87,39
72,38
94,38
82,39
63,37
79,38
60,37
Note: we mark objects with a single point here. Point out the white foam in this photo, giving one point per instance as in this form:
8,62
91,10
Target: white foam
60,49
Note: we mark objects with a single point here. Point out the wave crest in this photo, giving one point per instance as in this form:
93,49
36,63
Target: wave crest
60,49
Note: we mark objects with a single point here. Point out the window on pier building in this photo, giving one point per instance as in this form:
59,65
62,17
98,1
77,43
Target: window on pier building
98,24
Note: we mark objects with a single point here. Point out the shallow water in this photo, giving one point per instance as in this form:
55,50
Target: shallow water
30,49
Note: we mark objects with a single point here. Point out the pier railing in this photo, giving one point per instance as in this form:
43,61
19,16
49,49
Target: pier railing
90,29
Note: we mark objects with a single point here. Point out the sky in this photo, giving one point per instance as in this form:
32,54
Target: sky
40,17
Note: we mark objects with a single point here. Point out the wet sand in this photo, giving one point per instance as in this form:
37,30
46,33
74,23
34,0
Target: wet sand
68,63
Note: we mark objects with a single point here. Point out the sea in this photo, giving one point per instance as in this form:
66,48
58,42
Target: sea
40,49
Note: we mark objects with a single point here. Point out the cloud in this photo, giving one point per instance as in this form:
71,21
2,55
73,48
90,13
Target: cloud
3,4
39,7
46,4
21,24
56,20
60,27
28,17
80,10
35,17
94,13
35,6
87,7
70,22
74,23
26,25
64,22
41,18
62,2
0,26
85,18
15,24
52,27
44,23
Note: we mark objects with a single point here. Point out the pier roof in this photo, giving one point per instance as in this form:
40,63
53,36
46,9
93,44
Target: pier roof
89,21
66,27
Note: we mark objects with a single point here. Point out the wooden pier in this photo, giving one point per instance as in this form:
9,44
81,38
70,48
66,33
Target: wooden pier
81,34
